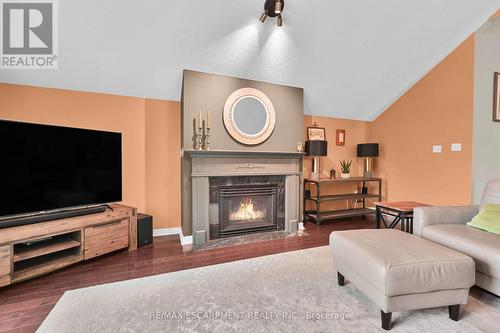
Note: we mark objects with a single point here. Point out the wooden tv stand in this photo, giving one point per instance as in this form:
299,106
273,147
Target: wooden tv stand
72,240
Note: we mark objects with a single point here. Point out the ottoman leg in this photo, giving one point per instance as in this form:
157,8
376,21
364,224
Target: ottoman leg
454,311
386,320
341,279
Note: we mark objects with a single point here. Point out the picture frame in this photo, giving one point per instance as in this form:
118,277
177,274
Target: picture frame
340,137
316,133
496,97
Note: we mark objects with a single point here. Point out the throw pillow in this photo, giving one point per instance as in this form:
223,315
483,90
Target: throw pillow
488,219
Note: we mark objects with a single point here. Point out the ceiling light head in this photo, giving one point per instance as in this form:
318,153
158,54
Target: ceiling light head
279,21
278,7
263,17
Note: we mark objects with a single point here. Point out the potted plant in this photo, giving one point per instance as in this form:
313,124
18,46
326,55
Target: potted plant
345,169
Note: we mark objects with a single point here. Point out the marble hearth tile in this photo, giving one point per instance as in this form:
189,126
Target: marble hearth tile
245,239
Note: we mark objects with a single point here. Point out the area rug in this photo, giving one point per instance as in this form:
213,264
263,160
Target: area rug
288,292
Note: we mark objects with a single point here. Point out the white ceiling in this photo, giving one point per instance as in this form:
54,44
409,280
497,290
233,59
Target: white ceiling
352,57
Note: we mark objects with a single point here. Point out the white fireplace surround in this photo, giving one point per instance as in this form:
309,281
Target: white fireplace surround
206,164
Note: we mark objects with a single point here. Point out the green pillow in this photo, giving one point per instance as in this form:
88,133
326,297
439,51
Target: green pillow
488,219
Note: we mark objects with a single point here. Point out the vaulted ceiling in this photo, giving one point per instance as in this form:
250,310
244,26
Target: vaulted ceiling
353,58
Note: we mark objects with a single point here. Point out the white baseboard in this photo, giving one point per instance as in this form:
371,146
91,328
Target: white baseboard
167,231
185,240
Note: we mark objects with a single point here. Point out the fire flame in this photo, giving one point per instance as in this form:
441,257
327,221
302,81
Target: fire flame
246,211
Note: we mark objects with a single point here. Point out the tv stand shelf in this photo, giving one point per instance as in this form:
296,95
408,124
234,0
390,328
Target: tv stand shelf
30,268
56,244
31,250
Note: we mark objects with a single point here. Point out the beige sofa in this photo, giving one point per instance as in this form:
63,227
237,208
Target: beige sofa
447,226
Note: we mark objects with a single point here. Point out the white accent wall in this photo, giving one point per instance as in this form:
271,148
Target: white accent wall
486,133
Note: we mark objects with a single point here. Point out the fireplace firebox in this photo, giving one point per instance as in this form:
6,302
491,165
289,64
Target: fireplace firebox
242,205
247,208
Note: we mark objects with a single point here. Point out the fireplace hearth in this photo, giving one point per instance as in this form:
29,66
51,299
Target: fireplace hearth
243,205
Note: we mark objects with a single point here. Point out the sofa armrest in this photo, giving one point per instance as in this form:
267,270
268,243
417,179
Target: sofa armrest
423,216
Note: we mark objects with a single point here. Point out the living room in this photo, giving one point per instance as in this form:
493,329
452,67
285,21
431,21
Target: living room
341,156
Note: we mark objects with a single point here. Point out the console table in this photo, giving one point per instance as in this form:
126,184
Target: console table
317,215
35,249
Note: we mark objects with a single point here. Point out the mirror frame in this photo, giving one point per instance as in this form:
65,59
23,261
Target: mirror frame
232,128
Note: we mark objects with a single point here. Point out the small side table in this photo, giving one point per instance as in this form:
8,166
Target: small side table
402,211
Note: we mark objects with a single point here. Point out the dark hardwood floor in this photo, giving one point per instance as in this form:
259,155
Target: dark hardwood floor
24,306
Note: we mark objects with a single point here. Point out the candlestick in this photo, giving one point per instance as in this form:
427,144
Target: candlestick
207,139
199,138
209,119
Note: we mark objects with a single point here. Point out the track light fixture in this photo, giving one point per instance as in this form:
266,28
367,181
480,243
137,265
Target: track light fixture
263,17
273,8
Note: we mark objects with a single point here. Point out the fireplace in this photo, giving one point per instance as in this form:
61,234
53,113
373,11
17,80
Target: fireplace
242,205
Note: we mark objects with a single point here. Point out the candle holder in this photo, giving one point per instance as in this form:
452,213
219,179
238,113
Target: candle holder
199,137
207,139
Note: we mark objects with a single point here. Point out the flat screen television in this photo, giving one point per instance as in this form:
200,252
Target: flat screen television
49,168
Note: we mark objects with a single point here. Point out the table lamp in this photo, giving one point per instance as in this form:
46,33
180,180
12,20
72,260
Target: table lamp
316,149
368,151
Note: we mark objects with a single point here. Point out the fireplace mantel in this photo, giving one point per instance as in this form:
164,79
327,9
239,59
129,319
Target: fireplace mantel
219,163
219,153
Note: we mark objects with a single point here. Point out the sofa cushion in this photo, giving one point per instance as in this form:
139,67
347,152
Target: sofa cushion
397,263
482,246
491,194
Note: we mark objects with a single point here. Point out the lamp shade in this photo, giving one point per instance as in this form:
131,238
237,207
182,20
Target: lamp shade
317,148
368,150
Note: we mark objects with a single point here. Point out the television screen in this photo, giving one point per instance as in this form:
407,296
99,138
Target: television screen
51,167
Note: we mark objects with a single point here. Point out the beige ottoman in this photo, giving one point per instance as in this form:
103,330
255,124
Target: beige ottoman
400,272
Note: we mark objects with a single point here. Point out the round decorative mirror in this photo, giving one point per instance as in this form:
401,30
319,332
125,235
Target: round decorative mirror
249,116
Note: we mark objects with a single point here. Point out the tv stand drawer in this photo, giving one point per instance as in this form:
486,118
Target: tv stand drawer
4,265
105,238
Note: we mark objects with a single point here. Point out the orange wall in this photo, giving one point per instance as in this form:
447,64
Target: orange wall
436,111
163,163
142,152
